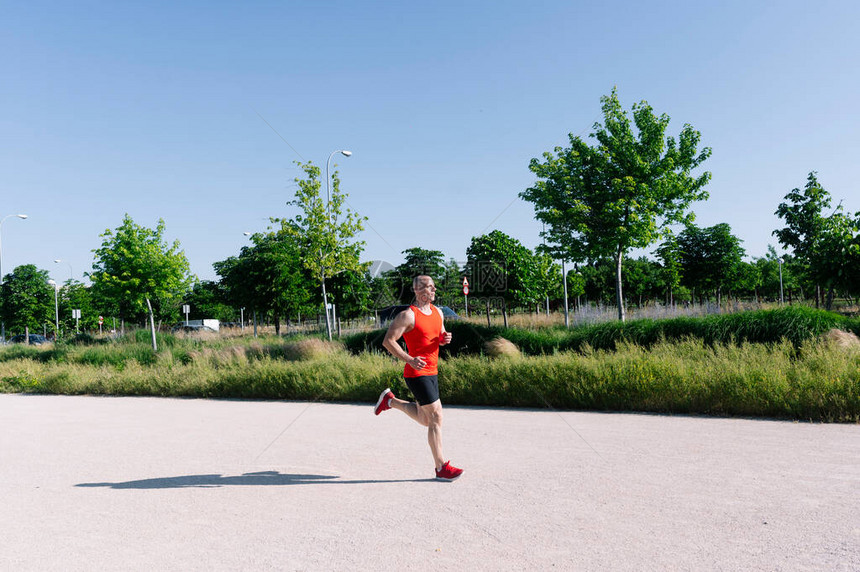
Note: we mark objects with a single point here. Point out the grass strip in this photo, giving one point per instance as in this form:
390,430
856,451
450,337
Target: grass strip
817,381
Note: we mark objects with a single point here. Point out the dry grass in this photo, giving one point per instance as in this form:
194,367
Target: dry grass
842,340
198,336
500,347
311,348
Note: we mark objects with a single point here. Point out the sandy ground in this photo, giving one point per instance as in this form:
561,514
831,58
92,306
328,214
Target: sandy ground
95,483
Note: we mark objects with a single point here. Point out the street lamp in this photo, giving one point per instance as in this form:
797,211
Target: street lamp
56,310
3,324
345,153
780,260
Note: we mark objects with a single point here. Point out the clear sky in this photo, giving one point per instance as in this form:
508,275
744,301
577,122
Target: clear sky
163,110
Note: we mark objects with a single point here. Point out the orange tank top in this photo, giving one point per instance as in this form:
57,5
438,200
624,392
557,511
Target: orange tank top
423,340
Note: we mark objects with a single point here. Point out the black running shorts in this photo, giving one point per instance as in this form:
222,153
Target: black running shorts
425,388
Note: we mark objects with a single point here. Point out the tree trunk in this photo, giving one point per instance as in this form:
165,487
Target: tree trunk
27,335
488,312
152,326
829,304
619,296
325,309
505,312
277,324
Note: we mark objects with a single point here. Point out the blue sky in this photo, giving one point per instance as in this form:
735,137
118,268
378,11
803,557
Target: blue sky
160,110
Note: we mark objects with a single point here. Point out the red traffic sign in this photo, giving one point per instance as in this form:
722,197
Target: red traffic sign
465,282
101,320
466,290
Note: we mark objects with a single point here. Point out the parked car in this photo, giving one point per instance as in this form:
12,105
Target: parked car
449,314
192,328
35,339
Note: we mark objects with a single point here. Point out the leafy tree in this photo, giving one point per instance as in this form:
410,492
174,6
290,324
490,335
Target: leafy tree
75,295
599,280
353,291
208,300
575,284
324,230
27,301
670,266
838,258
269,277
449,290
642,279
502,267
547,277
133,264
802,212
601,201
827,244
749,278
710,258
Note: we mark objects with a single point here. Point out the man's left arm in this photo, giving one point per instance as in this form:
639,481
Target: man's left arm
444,337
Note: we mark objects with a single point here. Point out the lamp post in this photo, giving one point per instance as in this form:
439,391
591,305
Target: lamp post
21,216
56,310
780,260
71,273
345,153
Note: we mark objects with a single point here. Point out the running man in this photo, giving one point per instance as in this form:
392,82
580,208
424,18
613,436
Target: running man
422,328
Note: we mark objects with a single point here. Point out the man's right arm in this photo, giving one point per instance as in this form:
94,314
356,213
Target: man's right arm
403,322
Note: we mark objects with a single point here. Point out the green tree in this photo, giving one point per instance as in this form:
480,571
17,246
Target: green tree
135,264
324,230
208,299
76,295
352,289
670,267
27,301
502,267
620,194
269,276
826,244
642,280
547,277
449,291
805,221
838,254
710,258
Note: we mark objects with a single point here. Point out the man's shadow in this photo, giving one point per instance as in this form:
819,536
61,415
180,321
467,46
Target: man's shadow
263,478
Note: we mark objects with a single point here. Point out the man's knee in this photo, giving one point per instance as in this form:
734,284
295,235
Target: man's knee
433,414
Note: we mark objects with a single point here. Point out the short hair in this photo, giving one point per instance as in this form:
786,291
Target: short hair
417,280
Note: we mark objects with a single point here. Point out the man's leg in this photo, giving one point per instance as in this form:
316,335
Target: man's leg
409,408
431,415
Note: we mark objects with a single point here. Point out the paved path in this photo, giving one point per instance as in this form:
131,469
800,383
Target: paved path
93,483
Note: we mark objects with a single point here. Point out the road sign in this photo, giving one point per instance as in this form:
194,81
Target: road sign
466,290
101,320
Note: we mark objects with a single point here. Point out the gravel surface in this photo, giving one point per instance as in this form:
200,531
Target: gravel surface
100,483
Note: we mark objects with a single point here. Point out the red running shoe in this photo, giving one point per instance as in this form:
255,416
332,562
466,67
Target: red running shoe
448,472
383,404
